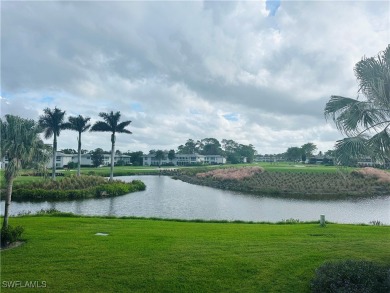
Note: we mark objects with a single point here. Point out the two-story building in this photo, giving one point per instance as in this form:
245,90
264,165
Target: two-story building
183,160
62,160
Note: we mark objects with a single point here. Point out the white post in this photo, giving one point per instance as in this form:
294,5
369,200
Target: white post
322,220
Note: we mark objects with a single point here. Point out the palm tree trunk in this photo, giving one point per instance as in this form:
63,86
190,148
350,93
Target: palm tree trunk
53,174
10,183
79,155
112,156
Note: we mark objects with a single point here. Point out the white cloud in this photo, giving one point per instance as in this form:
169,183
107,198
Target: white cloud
189,70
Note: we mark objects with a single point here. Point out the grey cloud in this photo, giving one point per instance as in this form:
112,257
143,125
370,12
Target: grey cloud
170,57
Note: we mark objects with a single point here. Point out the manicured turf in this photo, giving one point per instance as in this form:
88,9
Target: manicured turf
133,170
166,256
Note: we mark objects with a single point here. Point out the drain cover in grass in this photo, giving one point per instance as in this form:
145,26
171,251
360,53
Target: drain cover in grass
101,234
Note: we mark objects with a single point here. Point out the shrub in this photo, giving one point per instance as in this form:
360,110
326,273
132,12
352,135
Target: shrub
10,235
351,276
72,165
138,185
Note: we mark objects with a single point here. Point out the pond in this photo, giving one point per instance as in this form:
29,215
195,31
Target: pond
165,197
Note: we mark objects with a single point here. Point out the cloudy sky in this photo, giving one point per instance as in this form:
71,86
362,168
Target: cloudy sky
257,72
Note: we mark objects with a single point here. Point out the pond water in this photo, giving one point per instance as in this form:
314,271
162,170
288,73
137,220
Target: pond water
168,198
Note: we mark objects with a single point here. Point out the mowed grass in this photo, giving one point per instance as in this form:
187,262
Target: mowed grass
139,170
142,255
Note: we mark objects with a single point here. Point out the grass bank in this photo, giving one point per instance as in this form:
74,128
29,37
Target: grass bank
308,183
28,176
73,187
167,256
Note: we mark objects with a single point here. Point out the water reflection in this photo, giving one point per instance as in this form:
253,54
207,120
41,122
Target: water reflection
168,198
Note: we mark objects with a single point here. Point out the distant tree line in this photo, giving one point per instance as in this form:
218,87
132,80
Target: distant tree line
231,150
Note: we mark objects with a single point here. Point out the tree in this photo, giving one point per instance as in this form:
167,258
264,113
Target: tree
231,151
20,143
329,153
294,154
97,157
171,155
68,151
229,145
52,123
247,151
136,158
111,124
307,150
190,147
79,124
159,155
365,121
210,146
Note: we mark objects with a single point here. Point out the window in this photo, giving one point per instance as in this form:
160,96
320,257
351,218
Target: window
58,159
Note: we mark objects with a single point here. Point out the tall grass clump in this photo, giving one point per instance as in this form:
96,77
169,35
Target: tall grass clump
368,172
231,173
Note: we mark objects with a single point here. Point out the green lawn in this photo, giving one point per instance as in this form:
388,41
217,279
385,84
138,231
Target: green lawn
132,170
167,256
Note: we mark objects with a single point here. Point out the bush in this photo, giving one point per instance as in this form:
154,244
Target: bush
120,163
351,276
168,164
138,185
10,235
72,165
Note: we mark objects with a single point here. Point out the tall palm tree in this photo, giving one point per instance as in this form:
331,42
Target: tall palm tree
79,124
365,121
20,143
111,124
52,123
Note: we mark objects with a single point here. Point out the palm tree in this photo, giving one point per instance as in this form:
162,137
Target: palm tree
365,121
111,124
79,124
20,143
52,123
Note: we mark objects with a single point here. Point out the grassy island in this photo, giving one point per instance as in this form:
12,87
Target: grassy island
301,184
74,187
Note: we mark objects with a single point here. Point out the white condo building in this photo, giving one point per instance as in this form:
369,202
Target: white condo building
183,160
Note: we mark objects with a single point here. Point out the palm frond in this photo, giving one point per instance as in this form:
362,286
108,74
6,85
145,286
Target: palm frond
121,127
111,118
349,149
337,105
48,132
78,123
101,126
352,116
380,145
374,78
53,120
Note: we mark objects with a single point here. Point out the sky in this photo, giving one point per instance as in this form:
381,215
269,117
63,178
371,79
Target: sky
256,72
